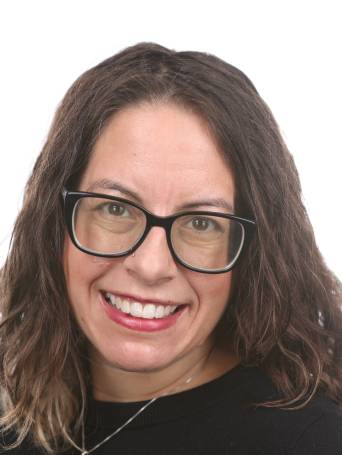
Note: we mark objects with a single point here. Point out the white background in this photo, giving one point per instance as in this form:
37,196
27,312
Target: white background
291,50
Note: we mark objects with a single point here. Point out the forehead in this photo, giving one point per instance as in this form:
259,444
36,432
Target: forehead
162,152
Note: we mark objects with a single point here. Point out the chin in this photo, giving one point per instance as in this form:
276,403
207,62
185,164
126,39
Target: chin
130,359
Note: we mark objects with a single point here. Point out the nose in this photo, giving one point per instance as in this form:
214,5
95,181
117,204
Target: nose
152,262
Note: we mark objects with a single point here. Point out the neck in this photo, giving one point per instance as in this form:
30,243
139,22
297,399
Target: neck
111,383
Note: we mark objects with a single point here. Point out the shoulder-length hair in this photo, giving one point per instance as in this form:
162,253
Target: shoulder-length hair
284,315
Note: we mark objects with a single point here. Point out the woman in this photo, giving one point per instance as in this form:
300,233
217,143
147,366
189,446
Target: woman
163,292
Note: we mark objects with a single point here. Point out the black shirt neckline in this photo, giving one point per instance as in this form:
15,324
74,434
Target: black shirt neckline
105,414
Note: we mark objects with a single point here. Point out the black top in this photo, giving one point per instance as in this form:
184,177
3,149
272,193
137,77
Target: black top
215,419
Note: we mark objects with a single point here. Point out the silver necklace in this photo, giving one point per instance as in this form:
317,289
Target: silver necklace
84,451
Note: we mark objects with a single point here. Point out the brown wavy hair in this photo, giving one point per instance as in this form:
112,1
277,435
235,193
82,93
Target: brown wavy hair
285,312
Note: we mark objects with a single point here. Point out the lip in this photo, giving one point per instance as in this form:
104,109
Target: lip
140,324
140,299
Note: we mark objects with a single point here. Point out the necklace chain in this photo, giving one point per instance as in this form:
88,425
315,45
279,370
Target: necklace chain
84,451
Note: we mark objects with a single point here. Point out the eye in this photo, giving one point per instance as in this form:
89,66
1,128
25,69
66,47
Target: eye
113,209
203,224
116,209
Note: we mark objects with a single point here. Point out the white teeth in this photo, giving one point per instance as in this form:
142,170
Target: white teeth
159,312
148,311
136,309
118,302
110,297
125,306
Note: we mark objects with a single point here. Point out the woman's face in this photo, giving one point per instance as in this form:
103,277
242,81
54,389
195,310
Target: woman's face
163,157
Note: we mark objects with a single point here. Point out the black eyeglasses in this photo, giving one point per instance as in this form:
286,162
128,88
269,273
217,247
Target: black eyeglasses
110,226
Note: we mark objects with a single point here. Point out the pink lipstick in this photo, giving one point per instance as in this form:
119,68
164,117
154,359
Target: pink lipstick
141,324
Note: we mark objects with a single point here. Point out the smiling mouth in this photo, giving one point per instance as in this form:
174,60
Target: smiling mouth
139,309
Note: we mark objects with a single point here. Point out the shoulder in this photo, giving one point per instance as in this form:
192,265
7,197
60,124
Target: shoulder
315,429
319,429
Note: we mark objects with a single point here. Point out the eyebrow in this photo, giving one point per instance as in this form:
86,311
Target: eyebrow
105,184
213,202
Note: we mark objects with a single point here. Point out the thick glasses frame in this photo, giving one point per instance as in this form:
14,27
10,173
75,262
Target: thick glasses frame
70,198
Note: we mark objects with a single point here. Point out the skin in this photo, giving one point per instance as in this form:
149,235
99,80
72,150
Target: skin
167,156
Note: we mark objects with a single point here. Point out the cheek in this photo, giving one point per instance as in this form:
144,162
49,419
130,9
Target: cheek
80,270
73,267
212,291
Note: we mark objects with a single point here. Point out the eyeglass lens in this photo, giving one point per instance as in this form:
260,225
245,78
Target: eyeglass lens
208,242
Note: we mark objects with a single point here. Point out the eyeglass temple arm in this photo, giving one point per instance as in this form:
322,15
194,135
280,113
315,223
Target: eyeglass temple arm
64,193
